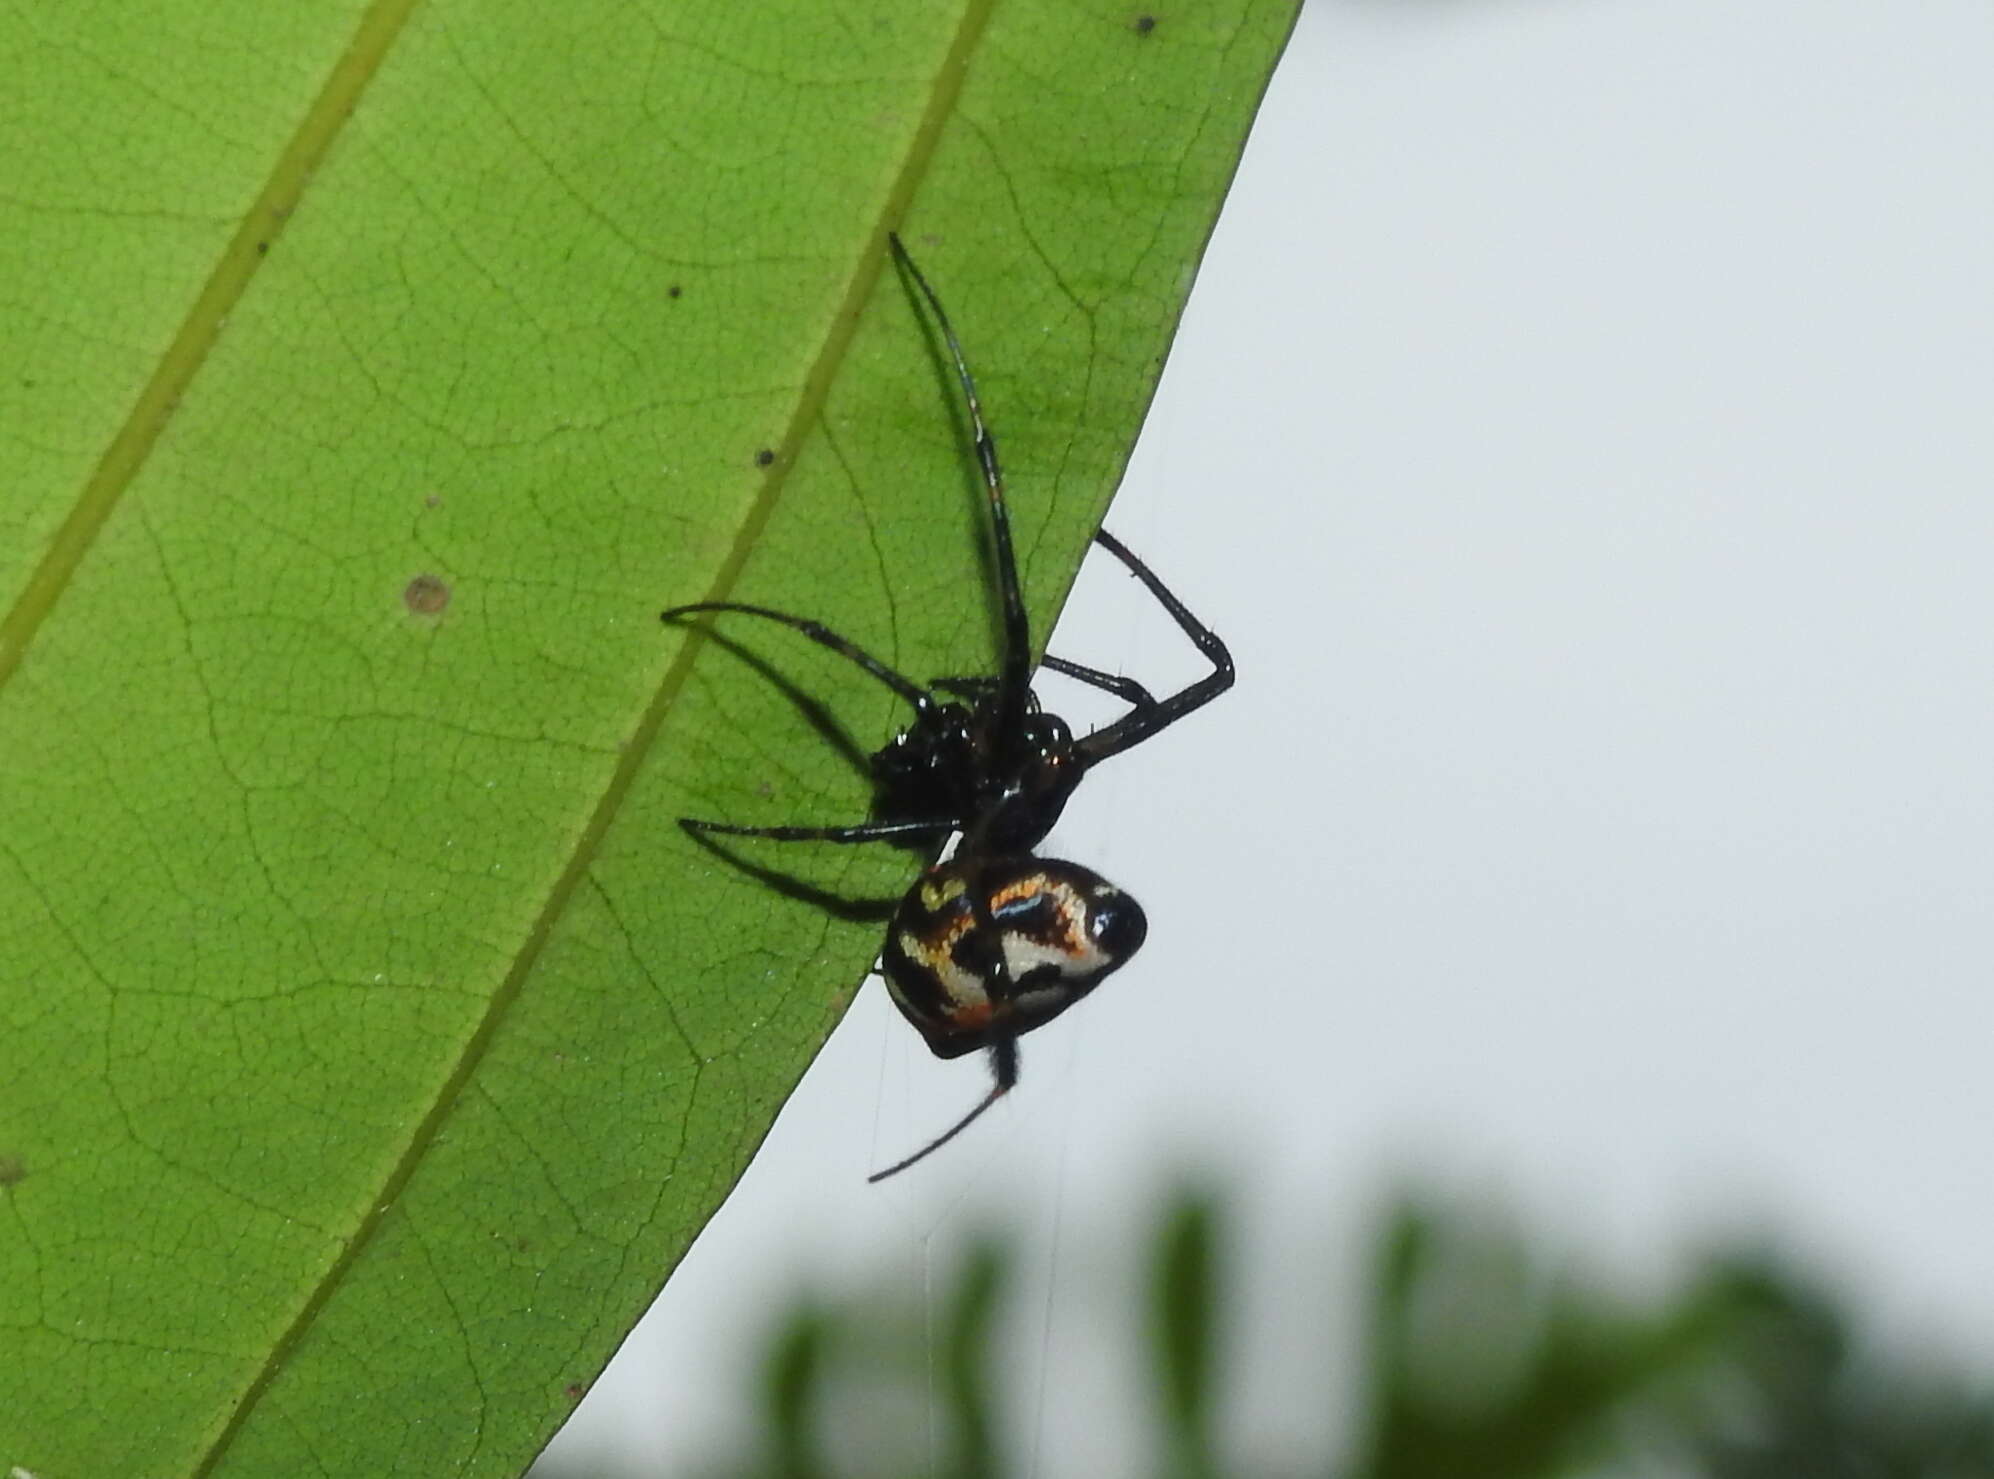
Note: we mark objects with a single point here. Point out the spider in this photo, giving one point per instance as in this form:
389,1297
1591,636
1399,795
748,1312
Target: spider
996,941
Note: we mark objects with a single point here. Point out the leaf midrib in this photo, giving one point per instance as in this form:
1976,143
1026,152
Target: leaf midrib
154,405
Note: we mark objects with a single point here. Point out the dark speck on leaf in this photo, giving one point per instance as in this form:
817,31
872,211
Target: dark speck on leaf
13,1170
674,291
1144,24
263,249
764,457
426,595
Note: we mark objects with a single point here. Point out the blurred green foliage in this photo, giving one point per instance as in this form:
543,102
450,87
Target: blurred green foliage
1479,1362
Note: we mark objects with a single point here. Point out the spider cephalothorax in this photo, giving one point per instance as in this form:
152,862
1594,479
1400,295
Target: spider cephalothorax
954,761
996,941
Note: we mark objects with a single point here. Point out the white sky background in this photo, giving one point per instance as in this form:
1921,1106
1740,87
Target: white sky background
1581,431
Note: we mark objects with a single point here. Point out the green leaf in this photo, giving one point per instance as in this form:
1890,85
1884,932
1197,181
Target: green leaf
376,1042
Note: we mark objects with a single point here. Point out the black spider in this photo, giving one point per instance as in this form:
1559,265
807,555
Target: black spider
996,941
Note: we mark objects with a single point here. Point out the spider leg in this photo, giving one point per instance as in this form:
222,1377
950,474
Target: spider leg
875,911
1015,677
1126,689
1004,1072
972,687
1133,729
1003,1045
823,636
883,831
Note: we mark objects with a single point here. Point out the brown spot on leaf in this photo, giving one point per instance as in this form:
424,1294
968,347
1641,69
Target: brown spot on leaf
426,595
13,1171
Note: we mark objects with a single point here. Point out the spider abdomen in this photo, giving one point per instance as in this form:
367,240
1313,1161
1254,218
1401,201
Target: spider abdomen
1059,930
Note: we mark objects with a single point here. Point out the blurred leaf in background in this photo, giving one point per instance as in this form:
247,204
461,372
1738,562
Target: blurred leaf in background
1481,1360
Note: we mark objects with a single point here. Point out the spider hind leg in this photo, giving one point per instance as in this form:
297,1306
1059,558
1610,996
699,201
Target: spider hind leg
1004,1076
